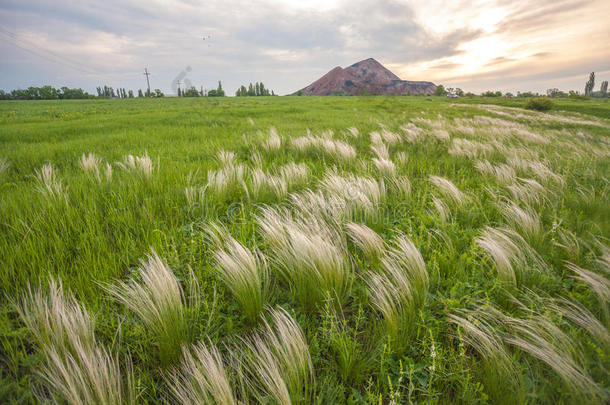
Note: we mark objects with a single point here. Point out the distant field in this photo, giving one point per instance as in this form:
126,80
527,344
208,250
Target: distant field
304,250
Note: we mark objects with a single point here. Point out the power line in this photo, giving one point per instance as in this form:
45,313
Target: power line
51,56
147,82
45,53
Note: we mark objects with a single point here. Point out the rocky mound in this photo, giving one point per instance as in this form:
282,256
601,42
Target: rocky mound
365,77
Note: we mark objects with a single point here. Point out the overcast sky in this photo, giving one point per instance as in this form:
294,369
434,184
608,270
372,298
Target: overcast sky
476,45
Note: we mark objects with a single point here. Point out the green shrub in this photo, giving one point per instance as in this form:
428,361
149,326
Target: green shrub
540,104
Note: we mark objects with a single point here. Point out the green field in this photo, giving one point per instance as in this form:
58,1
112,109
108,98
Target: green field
304,250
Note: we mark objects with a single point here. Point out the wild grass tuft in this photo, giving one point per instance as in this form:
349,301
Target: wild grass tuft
325,144
158,301
500,374
245,275
48,183
91,165
449,190
281,362
525,220
542,339
400,289
54,318
310,255
76,369
142,165
362,195
4,165
201,378
227,181
513,257
273,142
599,284
367,240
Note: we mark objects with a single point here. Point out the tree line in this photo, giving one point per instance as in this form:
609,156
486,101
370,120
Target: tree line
253,90
590,85
193,92
65,93
45,93
109,92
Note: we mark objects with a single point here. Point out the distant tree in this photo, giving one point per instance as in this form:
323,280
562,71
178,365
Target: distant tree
219,91
552,92
590,84
179,92
158,93
440,90
192,92
140,94
540,104
604,88
241,91
459,92
130,94
526,94
509,95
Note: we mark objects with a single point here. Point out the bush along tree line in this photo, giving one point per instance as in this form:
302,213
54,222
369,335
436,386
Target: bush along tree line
552,93
256,89
442,91
45,93
65,93
193,92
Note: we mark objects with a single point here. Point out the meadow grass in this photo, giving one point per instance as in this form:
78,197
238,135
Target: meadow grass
424,250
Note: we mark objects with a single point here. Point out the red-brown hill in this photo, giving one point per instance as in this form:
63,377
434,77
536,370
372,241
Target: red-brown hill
367,76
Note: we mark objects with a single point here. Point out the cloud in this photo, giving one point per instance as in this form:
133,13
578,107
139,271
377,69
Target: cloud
285,44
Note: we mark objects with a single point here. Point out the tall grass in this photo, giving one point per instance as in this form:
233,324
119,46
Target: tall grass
367,240
310,255
449,190
543,340
525,220
91,165
202,378
599,284
400,289
245,275
499,372
54,318
325,144
273,142
362,195
512,256
4,165
48,183
76,369
158,300
281,362
326,233
142,165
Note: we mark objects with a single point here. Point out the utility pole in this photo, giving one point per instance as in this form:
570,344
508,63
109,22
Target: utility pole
147,82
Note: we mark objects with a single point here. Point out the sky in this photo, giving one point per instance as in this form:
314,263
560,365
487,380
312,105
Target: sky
476,45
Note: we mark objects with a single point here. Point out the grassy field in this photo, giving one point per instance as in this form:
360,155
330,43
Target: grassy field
304,250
